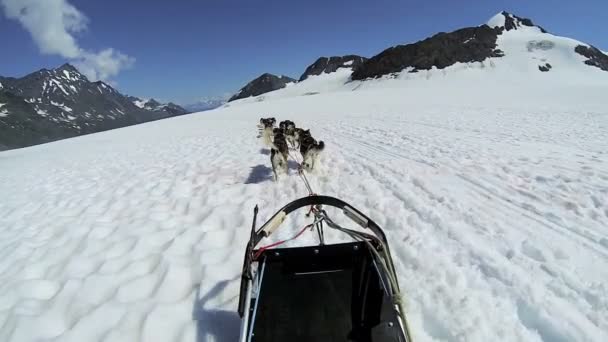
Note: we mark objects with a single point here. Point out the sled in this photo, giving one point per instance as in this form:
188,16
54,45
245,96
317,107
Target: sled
328,292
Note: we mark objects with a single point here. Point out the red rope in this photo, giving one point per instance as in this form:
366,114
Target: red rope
312,207
262,249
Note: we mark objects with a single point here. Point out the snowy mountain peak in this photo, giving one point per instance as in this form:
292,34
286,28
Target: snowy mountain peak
53,104
332,64
263,84
104,86
153,105
509,22
67,67
68,73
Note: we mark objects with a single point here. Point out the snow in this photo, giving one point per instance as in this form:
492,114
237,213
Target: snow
58,84
1,86
140,103
67,75
561,56
41,112
3,112
497,21
495,210
323,83
348,63
62,106
489,179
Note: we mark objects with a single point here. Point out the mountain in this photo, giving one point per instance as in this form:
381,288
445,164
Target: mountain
263,84
507,48
323,65
505,35
48,105
331,64
206,104
171,109
472,44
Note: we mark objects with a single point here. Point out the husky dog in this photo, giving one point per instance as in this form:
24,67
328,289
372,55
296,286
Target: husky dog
287,124
310,149
296,135
267,122
289,128
278,153
266,127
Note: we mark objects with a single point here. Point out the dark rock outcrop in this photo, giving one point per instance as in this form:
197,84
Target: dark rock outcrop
595,57
472,44
173,110
545,68
331,64
512,22
263,84
49,105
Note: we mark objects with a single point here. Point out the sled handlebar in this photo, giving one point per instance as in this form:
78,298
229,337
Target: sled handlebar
351,212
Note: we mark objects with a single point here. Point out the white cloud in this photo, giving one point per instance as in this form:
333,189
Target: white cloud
53,24
104,64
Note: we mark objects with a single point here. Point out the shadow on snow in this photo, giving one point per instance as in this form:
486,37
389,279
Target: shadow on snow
258,174
212,324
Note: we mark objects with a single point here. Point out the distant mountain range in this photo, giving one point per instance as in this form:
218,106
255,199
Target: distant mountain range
53,104
532,47
206,104
49,105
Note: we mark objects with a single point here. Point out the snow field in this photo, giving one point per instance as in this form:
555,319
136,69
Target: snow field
496,218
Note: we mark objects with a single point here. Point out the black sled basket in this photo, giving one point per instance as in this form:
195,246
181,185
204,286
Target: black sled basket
338,292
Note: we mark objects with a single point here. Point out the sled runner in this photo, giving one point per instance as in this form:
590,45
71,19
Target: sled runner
336,292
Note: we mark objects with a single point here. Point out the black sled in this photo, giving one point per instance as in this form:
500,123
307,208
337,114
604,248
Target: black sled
337,292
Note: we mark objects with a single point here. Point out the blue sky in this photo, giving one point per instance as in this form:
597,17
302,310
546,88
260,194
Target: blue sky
185,50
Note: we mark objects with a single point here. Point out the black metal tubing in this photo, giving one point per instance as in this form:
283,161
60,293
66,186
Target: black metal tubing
322,200
246,273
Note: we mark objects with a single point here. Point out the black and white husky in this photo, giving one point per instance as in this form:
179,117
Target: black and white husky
266,126
278,153
309,148
289,129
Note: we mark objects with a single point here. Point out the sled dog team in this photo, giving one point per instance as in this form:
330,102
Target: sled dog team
279,139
